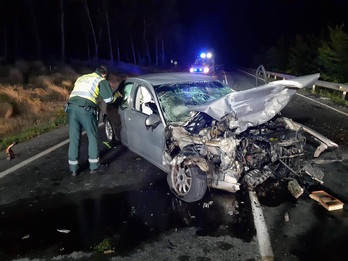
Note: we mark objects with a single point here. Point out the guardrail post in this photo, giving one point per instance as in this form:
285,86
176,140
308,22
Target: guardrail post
344,93
313,88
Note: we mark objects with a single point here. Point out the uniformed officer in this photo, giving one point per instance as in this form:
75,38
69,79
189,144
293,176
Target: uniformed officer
82,113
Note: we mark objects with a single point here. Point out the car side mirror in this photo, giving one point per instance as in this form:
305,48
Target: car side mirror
152,120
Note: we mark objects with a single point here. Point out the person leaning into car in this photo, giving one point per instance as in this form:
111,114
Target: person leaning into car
82,109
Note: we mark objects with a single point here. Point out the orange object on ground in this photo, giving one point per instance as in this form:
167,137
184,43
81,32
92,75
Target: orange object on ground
326,200
9,153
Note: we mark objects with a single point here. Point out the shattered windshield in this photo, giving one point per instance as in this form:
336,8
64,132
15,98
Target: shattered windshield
174,98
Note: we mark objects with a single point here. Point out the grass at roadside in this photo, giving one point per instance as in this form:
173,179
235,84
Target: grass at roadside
32,97
335,96
58,120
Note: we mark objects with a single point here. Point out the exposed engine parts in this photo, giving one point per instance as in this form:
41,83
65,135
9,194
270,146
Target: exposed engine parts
274,149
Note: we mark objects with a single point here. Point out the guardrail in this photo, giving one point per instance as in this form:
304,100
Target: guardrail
277,76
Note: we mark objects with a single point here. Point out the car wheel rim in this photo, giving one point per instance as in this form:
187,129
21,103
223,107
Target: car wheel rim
182,181
108,130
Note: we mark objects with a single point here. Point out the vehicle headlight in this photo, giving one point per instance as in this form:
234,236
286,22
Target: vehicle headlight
206,70
191,70
209,55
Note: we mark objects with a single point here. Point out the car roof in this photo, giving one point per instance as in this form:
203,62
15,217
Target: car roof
170,78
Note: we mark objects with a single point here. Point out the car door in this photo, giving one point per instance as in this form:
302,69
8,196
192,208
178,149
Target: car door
116,111
145,141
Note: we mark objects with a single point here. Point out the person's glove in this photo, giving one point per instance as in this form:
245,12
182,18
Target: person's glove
116,95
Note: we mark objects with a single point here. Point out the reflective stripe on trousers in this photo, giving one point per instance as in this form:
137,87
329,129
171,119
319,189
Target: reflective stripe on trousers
80,118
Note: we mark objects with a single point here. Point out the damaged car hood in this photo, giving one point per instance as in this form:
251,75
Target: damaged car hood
255,106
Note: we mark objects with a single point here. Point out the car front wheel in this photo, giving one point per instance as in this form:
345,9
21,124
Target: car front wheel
188,183
109,131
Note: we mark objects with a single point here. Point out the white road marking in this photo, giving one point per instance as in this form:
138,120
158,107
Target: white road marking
31,159
35,157
322,104
261,228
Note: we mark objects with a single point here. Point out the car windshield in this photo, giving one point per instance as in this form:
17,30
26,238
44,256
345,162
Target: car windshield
174,98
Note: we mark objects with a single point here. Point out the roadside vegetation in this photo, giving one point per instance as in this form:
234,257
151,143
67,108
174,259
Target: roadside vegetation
326,53
334,96
32,98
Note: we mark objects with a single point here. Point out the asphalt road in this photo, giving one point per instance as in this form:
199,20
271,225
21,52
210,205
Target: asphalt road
45,213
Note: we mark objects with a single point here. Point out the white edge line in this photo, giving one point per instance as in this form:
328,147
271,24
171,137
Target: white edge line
322,104
27,161
264,242
35,157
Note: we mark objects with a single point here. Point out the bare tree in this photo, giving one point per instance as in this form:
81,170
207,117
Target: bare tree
117,47
133,51
147,50
163,57
5,43
109,34
62,31
92,29
156,47
88,47
35,28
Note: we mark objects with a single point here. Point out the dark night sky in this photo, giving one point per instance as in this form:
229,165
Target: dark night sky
234,30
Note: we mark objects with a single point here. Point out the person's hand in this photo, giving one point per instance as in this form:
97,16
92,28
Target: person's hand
117,94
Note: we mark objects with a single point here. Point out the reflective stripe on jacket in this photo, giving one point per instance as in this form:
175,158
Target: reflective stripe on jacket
87,86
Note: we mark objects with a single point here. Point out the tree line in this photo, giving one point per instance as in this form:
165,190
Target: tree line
326,53
121,30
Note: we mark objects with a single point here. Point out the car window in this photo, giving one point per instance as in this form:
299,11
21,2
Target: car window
125,89
144,101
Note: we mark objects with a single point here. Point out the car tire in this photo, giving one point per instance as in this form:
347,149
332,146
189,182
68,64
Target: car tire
188,183
109,131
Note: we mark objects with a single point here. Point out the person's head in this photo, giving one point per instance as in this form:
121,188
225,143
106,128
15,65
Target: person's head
103,70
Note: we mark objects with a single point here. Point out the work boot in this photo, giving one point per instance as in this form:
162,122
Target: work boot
100,170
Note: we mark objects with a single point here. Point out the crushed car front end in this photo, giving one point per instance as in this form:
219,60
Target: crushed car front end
226,142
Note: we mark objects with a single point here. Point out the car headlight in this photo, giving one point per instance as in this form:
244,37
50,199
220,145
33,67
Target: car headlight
191,70
206,70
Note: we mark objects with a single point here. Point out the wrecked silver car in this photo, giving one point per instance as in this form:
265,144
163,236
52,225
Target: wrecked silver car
204,134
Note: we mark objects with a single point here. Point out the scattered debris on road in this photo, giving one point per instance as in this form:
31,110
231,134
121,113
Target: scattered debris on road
295,189
326,200
25,237
110,251
9,153
286,216
207,205
66,231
